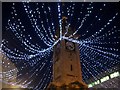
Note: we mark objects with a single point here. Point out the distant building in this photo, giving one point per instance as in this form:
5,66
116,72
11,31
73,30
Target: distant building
8,72
108,79
0,71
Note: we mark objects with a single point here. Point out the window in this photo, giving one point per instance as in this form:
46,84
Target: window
71,68
104,79
115,74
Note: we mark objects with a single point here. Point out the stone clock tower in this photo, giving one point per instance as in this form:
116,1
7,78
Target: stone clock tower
66,66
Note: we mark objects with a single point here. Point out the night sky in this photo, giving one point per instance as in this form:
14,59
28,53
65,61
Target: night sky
28,37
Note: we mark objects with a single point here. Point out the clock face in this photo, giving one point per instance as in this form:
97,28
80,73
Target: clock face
70,46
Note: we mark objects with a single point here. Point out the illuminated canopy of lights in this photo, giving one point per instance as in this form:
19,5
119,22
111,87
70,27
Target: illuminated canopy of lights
29,38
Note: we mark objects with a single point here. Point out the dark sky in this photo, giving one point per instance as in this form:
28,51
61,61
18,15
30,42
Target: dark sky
97,53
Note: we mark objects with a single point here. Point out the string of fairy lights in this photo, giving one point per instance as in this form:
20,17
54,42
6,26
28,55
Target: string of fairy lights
34,57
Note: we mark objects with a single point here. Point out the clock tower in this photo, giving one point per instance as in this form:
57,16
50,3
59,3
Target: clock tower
66,66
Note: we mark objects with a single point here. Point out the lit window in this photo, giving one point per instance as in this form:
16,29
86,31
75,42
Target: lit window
115,74
97,82
104,79
90,85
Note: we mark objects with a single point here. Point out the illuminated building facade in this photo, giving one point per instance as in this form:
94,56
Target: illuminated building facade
108,79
